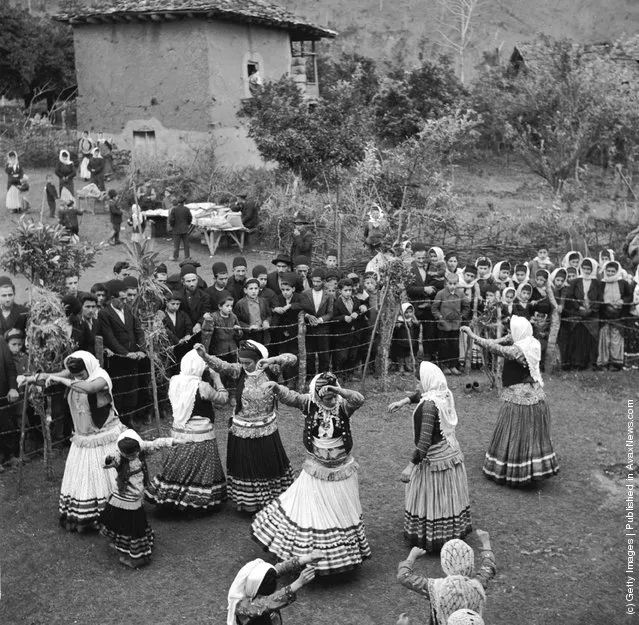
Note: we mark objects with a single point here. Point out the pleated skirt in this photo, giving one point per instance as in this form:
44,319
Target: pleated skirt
124,522
437,506
86,484
258,470
320,511
192,478
521,450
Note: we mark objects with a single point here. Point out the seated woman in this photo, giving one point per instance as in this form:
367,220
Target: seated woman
253,598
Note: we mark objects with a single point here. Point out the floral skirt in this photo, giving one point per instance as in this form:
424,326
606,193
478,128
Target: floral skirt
521,450
320,511
258,470
124,522
191,478
86,484
437,507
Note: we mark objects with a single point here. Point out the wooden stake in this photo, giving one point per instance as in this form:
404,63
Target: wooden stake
370,344
23,428
47,446
301,351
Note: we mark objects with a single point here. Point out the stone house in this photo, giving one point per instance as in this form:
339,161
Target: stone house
166,77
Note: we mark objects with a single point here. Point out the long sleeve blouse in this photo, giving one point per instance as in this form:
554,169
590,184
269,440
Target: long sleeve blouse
419,583
249,609
427,429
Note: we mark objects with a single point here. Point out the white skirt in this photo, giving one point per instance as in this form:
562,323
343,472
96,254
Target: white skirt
86,484
320,510
85,174
14,199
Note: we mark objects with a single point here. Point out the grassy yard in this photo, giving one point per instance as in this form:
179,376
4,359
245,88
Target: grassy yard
558,545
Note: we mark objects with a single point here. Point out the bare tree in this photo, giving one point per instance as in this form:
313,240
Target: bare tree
456,20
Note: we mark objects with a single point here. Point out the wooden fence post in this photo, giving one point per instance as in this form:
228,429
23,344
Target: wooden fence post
301,351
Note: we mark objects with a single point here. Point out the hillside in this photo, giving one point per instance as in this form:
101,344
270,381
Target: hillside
401,30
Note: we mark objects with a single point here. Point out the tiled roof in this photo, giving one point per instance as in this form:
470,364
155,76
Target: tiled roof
244,11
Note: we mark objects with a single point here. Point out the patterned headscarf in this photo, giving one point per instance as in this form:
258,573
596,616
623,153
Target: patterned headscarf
457,558
465,617
435,389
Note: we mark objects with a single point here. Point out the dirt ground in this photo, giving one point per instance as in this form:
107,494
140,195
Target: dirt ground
559,545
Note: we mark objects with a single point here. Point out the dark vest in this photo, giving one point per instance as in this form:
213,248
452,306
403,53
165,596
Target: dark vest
202,407
341,426
515,373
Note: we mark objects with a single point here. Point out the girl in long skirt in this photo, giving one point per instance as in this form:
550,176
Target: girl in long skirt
462,588
86,484
437,503
192,476
15,174
65,170
521,450
321,510
257,466
123,520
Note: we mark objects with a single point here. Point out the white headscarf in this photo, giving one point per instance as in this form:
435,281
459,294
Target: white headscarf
65,159
595,269
92,365
522,334
438,251
245,585
132,434
405,306
611,253
435,389
565,263
496,270
618,273
183,387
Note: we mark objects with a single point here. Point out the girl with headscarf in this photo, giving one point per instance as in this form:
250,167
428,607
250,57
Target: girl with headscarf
405,334
192,477
583,300
462,588
376,227
521,450
437,505
253,598
65,170
616,294
321,510
123,520
15,174
522,306
257,467
96,168
86,485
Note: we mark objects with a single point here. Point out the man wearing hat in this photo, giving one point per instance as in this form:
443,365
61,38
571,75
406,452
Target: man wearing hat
235,285
302,236
318,308
12,315
219,291
161,274
283,264
302,264
195,301
131,283
122,334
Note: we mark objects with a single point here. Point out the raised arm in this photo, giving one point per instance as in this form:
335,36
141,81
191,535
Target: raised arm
288,396
217,364
511,352
410,580
249,609
158,443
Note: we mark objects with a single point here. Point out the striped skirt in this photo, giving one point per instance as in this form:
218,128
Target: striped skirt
124,522
86,484
192,478
320,511
437,505
521,450
258,470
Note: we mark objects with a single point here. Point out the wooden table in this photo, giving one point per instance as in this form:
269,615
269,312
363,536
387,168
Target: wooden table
213,236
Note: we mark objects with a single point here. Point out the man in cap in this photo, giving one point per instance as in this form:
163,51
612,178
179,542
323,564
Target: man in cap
302,265
122,335
218,291
195,301
235,285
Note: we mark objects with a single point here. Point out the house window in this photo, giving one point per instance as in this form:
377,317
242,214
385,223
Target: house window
306,50
144,143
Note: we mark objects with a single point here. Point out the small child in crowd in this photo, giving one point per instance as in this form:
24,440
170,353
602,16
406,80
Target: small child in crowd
404,343
253,313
